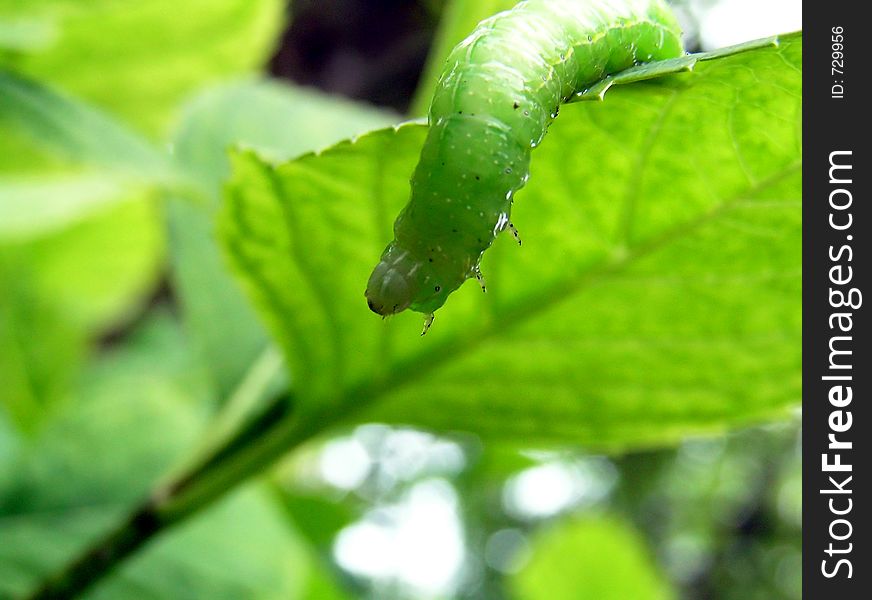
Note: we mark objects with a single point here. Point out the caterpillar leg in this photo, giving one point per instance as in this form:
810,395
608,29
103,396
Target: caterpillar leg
477,272
428,320
515,233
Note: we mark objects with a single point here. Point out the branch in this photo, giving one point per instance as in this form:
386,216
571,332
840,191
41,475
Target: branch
255,445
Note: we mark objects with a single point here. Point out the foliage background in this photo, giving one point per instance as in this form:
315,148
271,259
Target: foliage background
132,337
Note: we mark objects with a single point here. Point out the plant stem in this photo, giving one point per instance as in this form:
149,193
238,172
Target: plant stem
98,560
256,444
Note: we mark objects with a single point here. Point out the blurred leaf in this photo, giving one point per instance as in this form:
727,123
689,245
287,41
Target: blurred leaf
39,349
238,548
35,206
591,559
59,288
75,280
75,129
317,518
136,61
44,194
96,271
281,121
139,60
26,34
657,294
135,413
144,399
322,586
460,17
96,255
124,426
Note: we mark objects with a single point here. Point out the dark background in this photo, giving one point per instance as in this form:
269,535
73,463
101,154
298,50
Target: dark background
369,50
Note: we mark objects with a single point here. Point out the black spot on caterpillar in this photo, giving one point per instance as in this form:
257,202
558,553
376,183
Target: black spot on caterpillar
476,128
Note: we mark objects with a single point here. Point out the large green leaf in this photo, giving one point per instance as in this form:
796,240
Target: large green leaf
590,559
281,121
135,412
657,293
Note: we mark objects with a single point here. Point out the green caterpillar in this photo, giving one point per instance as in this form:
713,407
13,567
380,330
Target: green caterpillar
501,88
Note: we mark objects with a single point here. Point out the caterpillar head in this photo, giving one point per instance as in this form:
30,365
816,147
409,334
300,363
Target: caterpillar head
399,281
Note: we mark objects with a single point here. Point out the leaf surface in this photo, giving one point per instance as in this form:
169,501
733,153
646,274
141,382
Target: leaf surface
656,296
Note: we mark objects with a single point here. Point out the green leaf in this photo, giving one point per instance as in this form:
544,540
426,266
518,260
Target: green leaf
52,137
590,559
58,288
72,128
138,61
96,271
34,207
26,34
92,237
280,121
656,296
39,349
134,414
121,429
72,272
239,548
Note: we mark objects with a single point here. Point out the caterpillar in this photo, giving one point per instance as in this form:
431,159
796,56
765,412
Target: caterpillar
499,91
